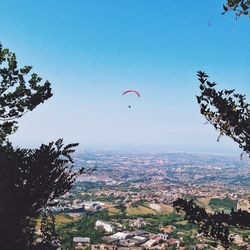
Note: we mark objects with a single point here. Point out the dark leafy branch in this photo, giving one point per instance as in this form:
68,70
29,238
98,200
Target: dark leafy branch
215,226
226,110
240,7
50,239
20,91
30,180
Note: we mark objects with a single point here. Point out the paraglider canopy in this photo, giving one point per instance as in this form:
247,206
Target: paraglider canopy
131,91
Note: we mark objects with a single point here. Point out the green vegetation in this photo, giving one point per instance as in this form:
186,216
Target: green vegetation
223,204
152,228
170,218
188,240
186,226
84,227
87,185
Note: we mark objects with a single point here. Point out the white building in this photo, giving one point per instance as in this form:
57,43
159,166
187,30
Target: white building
149,243
163,236
80,242
106,226
90,205
121,235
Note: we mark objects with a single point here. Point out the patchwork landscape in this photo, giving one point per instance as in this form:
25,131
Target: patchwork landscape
131,195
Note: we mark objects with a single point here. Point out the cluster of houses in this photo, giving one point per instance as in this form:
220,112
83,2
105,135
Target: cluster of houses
78,206
129,240
141,240
137,238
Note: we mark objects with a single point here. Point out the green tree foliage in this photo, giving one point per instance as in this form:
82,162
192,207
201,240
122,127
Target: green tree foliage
85,227
122,207
226,110
30,180
226,203
20,91
171,218
240,7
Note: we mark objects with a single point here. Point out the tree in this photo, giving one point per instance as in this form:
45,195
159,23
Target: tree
229,113
49,236
18,95
240,7
84,226
30,179
122,207
226,110
215,226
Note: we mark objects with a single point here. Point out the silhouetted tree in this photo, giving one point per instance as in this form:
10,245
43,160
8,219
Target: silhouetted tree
30,179
215,225
50,238
229,113
226,110
240,7
20,92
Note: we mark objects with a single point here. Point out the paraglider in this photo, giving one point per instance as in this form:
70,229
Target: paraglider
131,91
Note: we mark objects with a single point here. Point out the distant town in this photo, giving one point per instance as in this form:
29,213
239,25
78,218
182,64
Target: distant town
127,198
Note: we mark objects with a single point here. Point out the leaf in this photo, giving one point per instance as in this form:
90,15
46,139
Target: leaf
228,92
218,138
225,8
198,99
211,84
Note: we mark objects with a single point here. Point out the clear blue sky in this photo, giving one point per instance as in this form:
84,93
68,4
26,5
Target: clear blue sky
93,50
